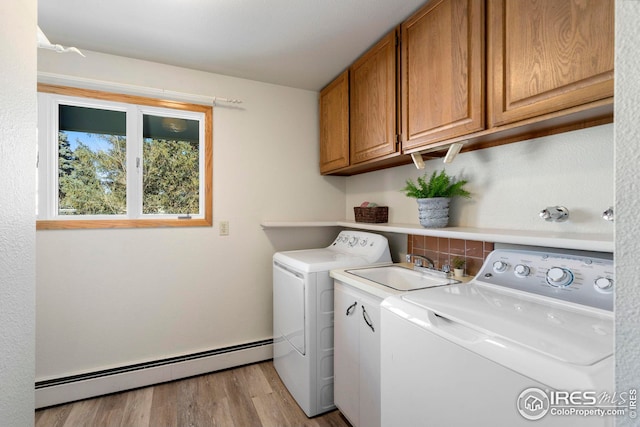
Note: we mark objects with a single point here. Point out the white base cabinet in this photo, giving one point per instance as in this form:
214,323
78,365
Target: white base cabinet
357,355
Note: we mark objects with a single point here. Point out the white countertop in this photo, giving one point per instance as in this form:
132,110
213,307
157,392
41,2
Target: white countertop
365,285
371,287
579,241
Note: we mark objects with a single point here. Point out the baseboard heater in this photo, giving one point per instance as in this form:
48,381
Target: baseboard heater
96,383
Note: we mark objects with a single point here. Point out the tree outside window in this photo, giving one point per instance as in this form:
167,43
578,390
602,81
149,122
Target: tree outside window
122,164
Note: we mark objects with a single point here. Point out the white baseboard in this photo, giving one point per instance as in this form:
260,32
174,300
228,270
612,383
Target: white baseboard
111,383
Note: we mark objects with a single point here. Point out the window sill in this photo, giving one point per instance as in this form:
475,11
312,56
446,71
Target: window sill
120,223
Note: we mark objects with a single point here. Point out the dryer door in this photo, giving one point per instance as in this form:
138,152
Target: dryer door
288,303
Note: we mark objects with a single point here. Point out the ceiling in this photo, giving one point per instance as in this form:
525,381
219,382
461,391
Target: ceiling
297,43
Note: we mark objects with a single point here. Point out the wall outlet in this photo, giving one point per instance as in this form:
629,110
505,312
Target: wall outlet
224,228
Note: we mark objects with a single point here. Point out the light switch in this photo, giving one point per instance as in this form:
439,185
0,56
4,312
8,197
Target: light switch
224,228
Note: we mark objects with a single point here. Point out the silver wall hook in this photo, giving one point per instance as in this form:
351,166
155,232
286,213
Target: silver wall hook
555,214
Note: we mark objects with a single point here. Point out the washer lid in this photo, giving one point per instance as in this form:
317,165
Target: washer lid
323,259
562,331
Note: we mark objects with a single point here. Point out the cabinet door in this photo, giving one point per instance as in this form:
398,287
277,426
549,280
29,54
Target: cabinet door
346,353
547,56
370,362
442,72
373,102
334,124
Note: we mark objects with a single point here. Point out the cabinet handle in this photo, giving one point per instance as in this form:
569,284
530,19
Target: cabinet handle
367,319
351,308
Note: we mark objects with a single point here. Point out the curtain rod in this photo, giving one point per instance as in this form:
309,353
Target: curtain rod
61,79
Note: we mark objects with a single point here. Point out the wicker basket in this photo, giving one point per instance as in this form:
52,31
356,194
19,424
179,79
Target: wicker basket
377,214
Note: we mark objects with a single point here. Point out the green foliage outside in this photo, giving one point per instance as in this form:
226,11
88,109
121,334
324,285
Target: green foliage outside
438,185
171,180
94,182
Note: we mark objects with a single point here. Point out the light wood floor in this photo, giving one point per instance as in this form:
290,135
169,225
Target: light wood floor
248,396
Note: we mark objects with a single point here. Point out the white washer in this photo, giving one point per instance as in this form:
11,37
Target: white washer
303,313
528,331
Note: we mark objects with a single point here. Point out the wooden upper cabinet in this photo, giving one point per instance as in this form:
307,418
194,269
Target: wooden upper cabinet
373,102
442,72
487,72
547,55
334,124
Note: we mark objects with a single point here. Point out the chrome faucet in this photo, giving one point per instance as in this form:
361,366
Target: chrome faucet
418,261
419,265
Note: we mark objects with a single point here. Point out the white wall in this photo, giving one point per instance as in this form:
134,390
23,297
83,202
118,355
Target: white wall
627,158
113,297
511,184
17,206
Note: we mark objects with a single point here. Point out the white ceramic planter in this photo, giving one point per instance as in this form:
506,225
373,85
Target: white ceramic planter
434,212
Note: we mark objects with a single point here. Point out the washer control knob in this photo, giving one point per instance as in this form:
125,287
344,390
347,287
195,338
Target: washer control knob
353,241
603,283
500,266
363,242
521,270
559,277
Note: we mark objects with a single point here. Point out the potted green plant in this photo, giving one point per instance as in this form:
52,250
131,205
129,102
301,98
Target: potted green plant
433,197
458,266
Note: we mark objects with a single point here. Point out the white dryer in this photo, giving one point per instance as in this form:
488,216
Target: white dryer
303,313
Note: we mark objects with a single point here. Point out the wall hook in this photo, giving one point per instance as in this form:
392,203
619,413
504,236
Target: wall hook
555,214
608,214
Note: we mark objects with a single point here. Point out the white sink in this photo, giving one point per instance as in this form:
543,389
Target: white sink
401,278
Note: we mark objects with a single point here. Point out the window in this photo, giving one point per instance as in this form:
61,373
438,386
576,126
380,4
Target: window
115,161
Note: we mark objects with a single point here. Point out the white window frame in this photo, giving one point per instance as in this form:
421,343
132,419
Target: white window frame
49,100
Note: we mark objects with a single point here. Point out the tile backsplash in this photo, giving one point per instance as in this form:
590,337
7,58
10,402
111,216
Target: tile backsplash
442,250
